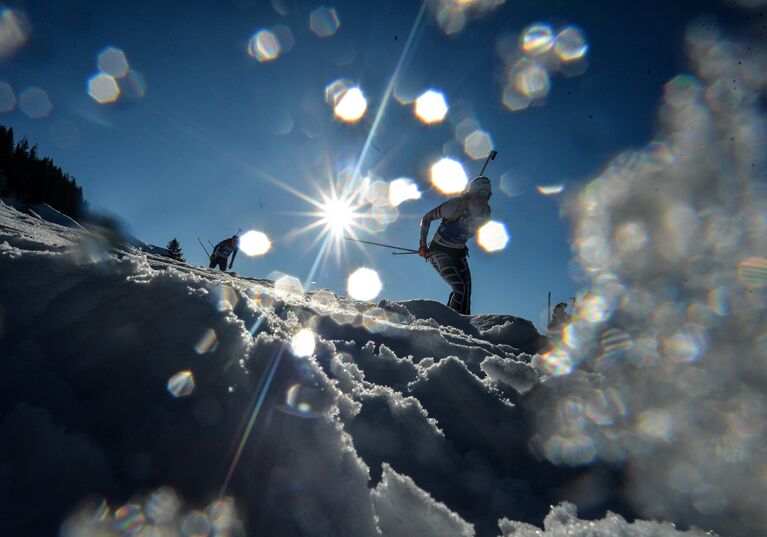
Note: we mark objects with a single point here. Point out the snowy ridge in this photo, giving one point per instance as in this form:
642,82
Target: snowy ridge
406,419
43,211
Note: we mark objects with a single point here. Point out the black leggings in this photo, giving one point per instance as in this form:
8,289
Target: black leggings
218,261
455,271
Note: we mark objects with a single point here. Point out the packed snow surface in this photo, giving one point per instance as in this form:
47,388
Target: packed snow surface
140,393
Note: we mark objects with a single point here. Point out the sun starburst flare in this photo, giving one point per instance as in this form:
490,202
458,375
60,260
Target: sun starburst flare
338,216
339,212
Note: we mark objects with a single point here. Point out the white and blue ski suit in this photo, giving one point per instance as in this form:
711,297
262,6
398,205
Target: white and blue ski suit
461,217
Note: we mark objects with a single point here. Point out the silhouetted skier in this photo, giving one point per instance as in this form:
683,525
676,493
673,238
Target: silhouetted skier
461,217
559,319
222,251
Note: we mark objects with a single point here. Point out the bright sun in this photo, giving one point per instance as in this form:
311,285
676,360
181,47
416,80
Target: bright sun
339,213
338,216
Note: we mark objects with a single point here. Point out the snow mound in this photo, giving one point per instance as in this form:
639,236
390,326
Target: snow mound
407,511
509,330
440,314
562,521
43,211
519,375
122,372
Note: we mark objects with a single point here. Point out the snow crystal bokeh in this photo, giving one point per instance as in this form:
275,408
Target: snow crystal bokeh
115,78
453,15
663,367
14,30
531,59
158,514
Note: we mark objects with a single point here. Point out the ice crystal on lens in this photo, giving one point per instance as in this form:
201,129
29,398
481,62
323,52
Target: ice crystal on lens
570,44
13,31
112,61
537,39
287,285
478,144
181,384
7,97
34,102
324,22
264,45
103,88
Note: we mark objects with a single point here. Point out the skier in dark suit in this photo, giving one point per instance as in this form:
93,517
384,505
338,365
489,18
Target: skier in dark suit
222,251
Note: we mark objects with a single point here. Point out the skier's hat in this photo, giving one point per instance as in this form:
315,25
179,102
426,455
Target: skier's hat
479,184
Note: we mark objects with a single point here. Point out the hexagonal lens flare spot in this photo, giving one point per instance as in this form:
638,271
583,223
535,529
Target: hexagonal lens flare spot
448,176
431,107
493,237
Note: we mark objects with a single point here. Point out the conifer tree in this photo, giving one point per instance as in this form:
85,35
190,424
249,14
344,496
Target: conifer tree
174,250
31,179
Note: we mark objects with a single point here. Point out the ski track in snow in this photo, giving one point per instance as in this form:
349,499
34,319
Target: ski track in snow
407,419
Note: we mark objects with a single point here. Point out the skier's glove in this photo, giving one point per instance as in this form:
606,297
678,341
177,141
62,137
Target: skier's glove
422,251
230,266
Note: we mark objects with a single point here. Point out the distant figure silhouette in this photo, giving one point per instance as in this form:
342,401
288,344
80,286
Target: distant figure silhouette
559,319
222,251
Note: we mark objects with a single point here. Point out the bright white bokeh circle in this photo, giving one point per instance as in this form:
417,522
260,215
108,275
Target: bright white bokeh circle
431,107
493,236
103,88
364,284
401,190
351,105
254,243
448,176
303,343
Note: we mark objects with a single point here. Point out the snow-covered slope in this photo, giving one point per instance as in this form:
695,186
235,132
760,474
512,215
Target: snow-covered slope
404,419
93,222
43,211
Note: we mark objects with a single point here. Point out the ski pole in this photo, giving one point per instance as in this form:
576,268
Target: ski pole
548,319
490,157
404,253
410,250
203,246
573,298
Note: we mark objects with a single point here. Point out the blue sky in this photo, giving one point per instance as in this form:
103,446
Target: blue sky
189,158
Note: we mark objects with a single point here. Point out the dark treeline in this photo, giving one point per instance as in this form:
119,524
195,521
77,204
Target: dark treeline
36,180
